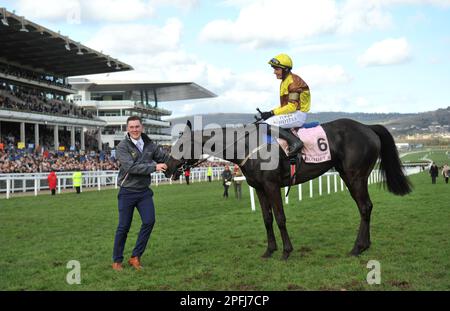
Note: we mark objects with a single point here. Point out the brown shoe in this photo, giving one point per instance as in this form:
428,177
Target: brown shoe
117,266
134,262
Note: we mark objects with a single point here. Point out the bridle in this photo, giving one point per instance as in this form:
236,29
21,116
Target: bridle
185,166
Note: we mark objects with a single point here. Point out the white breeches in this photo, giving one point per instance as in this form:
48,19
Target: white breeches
290,120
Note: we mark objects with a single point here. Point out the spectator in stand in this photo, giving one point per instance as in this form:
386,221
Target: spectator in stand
52,180
18,161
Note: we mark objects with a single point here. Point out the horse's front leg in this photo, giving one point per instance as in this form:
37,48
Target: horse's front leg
273,193
268,222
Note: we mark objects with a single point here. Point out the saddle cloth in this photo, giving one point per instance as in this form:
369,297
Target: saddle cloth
316,147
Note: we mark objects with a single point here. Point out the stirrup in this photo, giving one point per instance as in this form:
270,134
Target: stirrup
294,153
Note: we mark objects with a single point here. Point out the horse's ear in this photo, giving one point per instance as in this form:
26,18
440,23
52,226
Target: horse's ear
189,125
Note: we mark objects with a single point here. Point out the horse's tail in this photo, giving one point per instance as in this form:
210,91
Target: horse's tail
390,165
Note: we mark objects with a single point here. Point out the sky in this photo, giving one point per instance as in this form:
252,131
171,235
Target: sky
356,55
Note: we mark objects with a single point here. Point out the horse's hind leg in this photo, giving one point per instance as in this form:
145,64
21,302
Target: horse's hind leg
360,193
268,222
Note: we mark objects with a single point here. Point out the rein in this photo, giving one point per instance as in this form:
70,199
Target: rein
189,166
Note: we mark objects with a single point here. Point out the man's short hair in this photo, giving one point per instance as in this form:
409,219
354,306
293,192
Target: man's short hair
134,118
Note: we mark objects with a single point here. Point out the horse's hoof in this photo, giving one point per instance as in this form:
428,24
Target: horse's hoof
266,255
358,250
354,253
285,256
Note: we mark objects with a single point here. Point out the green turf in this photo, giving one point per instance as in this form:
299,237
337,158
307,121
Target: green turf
204,242
441,157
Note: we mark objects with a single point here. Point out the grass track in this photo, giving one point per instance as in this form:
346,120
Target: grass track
203,242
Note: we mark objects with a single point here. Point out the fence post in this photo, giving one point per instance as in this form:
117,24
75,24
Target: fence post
252,198
116,177
310,188
35,185
300,192
286,198
59,185
335,182
8,187
320,185
328,184
24,185
342,184
99,181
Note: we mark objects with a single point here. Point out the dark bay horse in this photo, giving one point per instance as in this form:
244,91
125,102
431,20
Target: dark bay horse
354,148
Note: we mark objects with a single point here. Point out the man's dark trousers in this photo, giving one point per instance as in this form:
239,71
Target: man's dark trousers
128,200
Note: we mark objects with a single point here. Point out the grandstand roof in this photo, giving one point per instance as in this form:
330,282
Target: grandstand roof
165,91
25,43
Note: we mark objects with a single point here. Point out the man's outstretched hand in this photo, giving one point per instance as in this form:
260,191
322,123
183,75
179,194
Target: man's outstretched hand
161,167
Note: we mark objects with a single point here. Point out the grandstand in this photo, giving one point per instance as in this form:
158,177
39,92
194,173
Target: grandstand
115,101
41,108
49,121
34,65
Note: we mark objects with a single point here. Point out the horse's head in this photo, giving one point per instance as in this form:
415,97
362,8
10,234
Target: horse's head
182,155
176,167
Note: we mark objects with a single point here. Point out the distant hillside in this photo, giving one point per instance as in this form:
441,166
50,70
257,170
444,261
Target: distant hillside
430,120
243,118
394,121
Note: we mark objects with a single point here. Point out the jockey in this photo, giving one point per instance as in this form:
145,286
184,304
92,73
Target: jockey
295,101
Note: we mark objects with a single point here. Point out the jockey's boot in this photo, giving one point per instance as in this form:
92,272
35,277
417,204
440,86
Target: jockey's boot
295,144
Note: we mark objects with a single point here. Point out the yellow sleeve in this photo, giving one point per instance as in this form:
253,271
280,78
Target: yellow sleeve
289,108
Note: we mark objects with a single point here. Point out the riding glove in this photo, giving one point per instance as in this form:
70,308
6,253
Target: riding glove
267,114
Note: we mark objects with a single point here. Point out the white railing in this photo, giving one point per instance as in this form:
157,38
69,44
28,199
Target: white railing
14,183
11,184
374,178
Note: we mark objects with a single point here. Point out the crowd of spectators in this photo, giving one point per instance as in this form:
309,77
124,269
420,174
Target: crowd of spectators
14,98
41,159
32,75
31,162
10,140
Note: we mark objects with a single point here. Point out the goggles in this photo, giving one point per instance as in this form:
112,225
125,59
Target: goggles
275,62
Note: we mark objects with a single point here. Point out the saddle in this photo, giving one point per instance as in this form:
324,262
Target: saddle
315,150
316,146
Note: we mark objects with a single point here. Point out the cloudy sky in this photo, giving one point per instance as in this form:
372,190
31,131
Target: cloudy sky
356,55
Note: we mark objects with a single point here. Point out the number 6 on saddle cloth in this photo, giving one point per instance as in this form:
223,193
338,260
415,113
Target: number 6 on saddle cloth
315,141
